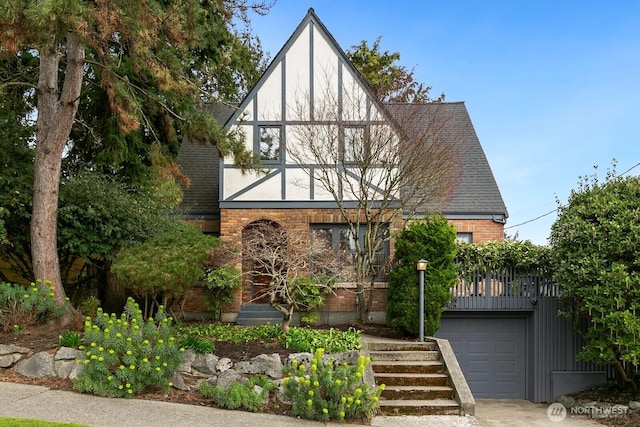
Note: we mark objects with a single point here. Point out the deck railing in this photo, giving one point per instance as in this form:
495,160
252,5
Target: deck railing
502,290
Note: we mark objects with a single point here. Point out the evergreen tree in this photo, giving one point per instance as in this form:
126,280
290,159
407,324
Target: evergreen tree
433,240
150,61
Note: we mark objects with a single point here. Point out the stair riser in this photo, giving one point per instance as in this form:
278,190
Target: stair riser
404,355
420,410
405,369
411,382
409,346
258,321
417,394
259,315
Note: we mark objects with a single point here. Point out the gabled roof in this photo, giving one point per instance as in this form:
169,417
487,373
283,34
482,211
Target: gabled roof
476,191
476,194
309,18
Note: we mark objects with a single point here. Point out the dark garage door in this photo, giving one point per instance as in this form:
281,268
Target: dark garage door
491,352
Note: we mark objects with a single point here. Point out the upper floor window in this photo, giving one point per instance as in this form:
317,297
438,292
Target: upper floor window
269,143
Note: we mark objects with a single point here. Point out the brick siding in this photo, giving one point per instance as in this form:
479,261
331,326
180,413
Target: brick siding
483,231
233,221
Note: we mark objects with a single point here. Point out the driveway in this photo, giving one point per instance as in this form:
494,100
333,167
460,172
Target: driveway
522,413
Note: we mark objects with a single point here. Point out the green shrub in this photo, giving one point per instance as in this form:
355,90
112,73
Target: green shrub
596,259
221,282
200,345
237,396
327,391
309,318
22,306
128,354
332,340
70,339
434,239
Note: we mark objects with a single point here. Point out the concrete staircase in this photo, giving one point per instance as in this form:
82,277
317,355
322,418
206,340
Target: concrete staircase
258,314
416,378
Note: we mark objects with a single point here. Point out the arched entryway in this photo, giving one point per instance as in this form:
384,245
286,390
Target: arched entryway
257,238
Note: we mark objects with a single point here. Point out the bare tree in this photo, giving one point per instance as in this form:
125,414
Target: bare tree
297,271
379,164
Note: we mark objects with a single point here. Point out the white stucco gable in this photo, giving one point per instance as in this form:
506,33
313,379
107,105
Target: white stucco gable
309,87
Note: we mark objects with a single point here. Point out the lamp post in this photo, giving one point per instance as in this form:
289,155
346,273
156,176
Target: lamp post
421,266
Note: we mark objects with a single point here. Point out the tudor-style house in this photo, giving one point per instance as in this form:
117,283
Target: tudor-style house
308,118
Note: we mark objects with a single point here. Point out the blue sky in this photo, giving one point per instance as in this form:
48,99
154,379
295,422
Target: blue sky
552,87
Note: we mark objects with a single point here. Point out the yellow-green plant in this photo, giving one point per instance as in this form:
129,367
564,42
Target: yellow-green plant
237,396
125,355
326,390
22,306
70,339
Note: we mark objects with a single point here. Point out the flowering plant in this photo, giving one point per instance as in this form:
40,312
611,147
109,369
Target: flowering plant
125,355
325,390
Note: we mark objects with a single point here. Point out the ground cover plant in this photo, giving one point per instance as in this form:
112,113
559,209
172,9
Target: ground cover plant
251,396
298,339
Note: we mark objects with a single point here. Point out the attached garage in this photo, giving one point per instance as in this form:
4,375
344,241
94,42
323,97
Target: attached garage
492,352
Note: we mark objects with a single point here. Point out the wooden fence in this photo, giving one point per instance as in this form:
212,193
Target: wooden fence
502,290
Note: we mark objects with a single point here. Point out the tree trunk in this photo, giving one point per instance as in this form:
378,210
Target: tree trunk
55,118
115,294
287,314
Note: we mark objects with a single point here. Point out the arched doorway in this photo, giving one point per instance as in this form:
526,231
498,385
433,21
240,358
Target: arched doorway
260,246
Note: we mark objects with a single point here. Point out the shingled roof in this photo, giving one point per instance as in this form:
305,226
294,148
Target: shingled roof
201,163
476,193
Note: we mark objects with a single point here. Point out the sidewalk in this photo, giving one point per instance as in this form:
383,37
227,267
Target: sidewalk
25,401
36,402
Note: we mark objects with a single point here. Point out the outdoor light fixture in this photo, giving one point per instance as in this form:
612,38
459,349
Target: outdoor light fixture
421,266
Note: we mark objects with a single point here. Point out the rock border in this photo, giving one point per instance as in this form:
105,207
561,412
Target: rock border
194,369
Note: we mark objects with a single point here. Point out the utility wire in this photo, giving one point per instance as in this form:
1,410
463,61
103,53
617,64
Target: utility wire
556,209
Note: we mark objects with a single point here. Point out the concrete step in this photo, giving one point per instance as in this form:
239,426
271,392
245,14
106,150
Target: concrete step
401,346
412,355
417,392
258,314
257,307
263,314
411,379
253,321
418,367
419,407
